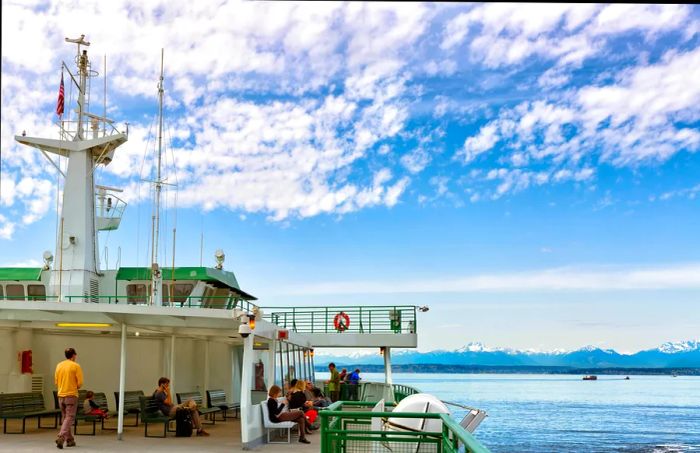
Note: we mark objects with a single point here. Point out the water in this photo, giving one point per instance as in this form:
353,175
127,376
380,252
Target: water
554,413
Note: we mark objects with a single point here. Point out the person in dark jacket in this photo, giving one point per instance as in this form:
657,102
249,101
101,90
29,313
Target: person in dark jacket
276,415
165,404
297,400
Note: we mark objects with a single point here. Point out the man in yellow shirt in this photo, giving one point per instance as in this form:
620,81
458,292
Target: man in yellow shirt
68,378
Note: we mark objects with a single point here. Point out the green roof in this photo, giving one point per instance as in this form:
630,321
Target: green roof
218,277
20,273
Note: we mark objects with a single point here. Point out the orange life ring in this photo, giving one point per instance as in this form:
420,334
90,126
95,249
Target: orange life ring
341,322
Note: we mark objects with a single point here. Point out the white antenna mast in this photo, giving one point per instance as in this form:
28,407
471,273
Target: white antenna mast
156,277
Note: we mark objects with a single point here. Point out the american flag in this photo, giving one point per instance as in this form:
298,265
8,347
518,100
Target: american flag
59,104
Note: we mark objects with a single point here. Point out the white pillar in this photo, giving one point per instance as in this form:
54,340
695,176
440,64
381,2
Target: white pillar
122,378
205,378
172,366
387,366
270,370
246,379
235,375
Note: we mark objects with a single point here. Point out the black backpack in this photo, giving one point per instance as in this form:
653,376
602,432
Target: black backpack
183,422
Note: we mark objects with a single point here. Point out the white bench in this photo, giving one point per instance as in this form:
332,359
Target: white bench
270,425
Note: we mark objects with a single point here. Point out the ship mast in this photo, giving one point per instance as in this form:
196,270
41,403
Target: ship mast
83,212
156,277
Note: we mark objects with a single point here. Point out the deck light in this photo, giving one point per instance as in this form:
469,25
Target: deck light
251,322
83,324
381,350
311,353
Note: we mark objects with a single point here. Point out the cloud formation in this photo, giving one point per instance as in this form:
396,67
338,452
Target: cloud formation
293,110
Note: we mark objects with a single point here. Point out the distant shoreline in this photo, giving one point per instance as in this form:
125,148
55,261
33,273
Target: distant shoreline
485,369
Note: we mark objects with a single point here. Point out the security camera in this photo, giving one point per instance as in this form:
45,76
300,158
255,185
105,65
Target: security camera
244,330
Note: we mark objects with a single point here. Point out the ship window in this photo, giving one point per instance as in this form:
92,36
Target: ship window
164,294
15,292
181,291
36,292
1,293
136,293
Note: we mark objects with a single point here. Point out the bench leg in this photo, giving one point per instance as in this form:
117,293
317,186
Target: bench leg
94,428
165,429
106,428
55,423
4,427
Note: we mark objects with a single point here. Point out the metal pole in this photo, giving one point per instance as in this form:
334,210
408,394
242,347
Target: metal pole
172,364
122,378
387,366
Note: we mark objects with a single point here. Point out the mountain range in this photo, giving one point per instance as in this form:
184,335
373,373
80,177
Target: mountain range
681,354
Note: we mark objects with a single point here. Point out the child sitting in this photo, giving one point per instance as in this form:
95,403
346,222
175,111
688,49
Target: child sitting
90,407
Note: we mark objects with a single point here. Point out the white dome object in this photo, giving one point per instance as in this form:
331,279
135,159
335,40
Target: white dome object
420,402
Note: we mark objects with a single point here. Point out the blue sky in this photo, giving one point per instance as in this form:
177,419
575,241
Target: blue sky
528,171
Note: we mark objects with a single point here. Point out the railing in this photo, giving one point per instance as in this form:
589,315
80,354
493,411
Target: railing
348,427
372,319
402,391
215,302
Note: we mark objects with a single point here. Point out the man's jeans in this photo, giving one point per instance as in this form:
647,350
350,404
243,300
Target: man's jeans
69,406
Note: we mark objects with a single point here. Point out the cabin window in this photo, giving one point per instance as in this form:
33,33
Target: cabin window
164,294
15,292
36,292
136,293
181,291
1,293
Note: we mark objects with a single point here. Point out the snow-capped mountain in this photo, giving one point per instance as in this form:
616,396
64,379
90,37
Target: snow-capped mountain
673,347
668,355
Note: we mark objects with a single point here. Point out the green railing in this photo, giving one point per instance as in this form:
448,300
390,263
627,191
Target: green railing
346,427
402,391
214,302
370,319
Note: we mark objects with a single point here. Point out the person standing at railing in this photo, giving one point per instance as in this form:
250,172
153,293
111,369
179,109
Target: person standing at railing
353,381
333,383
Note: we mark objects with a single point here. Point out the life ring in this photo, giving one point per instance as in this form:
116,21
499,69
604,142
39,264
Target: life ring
341,322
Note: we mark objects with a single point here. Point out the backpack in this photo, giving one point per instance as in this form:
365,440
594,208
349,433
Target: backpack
183,422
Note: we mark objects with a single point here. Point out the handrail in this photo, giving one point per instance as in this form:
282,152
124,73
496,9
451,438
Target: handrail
460,434
449,440
213,302
397,319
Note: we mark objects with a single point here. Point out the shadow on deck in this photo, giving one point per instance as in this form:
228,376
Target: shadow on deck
225,437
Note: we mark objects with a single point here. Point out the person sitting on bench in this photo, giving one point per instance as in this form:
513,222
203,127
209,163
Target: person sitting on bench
166,406
276,414
90,407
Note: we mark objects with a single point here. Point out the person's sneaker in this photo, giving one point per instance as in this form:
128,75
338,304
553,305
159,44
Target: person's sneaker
201,432
70,443
59,443
304,441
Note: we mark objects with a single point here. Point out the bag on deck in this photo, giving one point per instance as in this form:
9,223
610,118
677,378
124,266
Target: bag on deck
183,423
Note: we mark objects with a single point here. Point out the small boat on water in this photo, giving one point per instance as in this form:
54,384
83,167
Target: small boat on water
590,378
627,378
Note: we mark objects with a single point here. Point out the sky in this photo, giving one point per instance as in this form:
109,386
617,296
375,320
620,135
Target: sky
530,172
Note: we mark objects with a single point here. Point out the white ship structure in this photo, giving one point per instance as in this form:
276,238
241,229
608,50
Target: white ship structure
132,325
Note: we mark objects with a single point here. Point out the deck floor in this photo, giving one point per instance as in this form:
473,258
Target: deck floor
225,437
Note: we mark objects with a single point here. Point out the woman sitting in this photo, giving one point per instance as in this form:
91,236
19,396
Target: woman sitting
297,400
276,415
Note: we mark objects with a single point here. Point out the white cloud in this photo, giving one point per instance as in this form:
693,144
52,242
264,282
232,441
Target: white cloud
480,143
690,193
611,278
506,34
627,123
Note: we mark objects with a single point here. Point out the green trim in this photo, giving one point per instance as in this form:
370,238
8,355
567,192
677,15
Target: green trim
20,273
207,274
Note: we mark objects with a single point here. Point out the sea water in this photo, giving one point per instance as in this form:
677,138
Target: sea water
563,413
